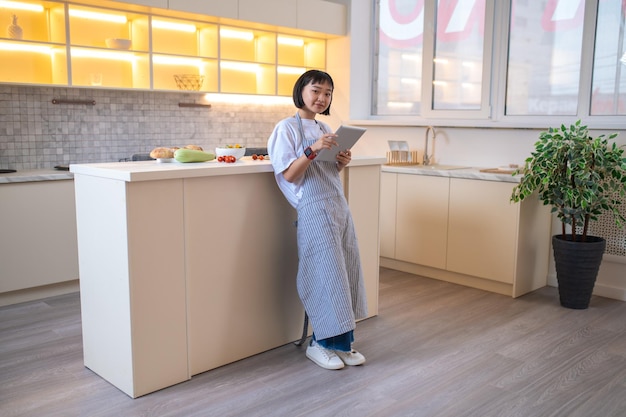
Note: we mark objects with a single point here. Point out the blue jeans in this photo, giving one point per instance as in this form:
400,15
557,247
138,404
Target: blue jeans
341,342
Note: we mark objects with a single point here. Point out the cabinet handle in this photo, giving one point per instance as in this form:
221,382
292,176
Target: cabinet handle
193,105
65,101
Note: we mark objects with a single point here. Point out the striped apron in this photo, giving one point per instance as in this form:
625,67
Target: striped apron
330,278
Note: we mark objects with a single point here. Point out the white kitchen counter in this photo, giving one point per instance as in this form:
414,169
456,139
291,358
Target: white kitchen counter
154,170
472,173
30,175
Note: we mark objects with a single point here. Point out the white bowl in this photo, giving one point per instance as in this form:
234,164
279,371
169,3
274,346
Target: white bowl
236,152
117,43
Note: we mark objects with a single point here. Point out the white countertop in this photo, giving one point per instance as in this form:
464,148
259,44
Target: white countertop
30,175
154,170
474,173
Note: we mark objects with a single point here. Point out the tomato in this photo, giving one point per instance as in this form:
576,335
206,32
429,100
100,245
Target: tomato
254,156
261,157
220,159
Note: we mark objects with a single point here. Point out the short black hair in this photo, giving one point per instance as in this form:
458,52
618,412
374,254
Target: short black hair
311,76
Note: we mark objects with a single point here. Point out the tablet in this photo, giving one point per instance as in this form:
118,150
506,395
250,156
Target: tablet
347,136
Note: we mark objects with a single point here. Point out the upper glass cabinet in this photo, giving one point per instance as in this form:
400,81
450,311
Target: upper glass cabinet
32,42
56,42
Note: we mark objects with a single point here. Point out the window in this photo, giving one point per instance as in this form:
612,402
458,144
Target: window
545,44
400,39
458,59
508,62
608,90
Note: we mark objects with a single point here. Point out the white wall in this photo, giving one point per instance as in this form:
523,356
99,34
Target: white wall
349,63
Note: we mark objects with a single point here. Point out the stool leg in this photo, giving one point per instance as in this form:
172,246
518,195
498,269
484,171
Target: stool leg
305,330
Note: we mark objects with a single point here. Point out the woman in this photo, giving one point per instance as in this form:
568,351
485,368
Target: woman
330,279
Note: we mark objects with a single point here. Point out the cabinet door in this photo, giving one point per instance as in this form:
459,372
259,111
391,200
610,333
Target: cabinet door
388,192
334,21
482,229
219,8
273,12
153,3
422,219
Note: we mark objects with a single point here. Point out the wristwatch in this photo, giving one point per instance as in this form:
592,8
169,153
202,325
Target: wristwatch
309,153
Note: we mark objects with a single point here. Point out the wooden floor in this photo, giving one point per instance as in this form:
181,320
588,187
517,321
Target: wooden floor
435,349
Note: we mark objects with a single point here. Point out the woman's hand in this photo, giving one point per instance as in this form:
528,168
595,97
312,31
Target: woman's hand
343,159
327,141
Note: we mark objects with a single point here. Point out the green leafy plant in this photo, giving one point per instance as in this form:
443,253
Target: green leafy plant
580,176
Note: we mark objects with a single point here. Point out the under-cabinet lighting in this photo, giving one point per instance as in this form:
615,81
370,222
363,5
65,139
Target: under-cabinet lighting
181,27
25,47
174,60
236,34
411,81
290,70
440,83
248,99
117,56
105,17
21,6
440,61
623,59
240,66
284,40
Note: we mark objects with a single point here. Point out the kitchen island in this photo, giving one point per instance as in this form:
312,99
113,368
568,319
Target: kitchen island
187,267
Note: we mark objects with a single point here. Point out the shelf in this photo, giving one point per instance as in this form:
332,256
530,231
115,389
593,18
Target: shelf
247,78
301,52
106,68
166,66
92,27
69,44
41,22
33,62
178,37
238,44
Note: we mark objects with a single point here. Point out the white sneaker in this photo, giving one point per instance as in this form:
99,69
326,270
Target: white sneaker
323,357
351,358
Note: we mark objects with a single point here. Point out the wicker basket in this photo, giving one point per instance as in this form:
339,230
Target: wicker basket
190,82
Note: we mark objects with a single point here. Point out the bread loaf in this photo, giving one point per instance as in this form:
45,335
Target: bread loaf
159,153
194,147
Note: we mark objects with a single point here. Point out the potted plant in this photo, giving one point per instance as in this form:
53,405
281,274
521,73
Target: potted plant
581,177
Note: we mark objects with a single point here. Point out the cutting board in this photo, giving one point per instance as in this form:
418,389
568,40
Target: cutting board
499,170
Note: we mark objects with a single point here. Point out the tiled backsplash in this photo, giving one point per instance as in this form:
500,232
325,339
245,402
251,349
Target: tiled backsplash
35,133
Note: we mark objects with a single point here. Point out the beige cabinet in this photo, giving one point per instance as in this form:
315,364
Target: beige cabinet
464,231
221,8
388,192
38,223
273,12
163,4
483,226
422,220
334,19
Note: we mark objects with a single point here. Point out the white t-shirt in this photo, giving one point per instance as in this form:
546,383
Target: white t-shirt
285,146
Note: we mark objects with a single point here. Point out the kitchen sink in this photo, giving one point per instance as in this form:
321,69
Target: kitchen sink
440,167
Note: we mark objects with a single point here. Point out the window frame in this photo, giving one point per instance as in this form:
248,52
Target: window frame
495,69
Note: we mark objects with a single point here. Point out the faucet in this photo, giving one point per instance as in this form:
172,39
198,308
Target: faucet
427,158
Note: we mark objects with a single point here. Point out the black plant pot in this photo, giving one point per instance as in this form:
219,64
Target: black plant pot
577,265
